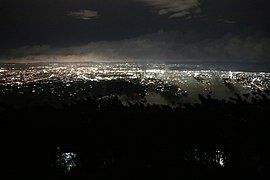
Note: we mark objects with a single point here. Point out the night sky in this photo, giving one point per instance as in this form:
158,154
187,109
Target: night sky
135,30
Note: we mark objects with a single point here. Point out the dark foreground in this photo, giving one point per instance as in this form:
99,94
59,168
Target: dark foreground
102,139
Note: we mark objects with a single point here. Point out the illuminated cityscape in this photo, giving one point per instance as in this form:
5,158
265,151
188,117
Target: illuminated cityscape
184,82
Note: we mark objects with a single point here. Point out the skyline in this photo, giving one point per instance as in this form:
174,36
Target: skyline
161,83
135,30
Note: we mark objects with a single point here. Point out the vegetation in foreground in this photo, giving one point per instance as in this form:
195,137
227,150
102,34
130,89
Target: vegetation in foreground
101,138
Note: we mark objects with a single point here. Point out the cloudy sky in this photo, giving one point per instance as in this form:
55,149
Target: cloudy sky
135,30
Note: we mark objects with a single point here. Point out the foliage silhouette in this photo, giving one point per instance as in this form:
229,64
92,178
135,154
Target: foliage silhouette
139,141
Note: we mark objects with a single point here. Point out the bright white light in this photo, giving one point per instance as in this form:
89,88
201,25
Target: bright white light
220,158
66,160
230,74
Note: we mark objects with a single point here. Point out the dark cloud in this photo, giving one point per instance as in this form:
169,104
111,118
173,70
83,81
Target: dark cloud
254,13
160,46
172,8
193,30
84,14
